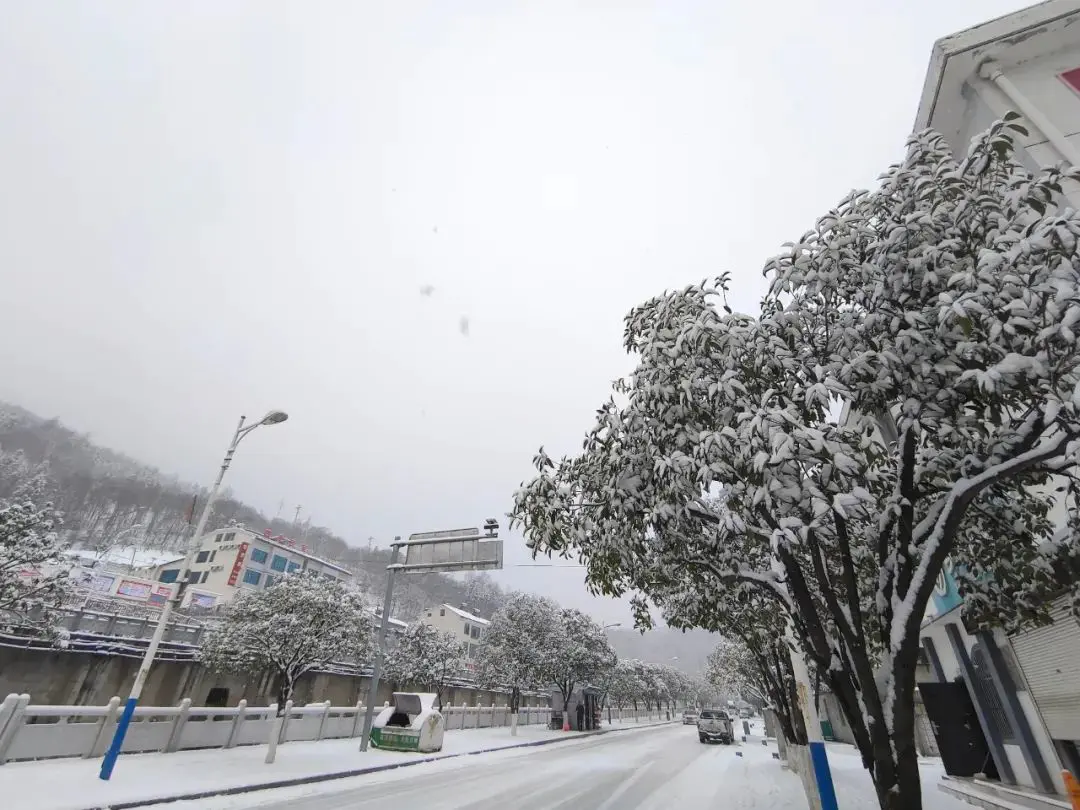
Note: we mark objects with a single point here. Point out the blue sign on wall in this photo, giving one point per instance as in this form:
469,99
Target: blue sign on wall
946,595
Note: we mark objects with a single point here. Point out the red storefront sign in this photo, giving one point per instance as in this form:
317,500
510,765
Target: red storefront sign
241,554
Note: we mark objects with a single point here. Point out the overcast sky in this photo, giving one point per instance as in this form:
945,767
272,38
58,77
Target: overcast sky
215,208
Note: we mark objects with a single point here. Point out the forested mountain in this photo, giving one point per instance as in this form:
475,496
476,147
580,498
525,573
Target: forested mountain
683,651
108,499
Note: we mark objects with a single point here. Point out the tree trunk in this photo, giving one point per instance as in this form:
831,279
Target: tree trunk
904,792
286,686
515,706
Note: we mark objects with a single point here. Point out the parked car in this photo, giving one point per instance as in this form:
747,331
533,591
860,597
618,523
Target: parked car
689,717
714,725
744,714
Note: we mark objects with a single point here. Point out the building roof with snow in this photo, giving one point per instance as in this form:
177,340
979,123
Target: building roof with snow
396,624
125,556
469,617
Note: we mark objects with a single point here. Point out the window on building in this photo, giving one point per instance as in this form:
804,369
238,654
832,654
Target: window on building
269,580
230,537
193,577
467,628
251,577
259,556
442,611
202,556
205,576
294,567
169,575
475,632
279,563
218,536
472,651
213,554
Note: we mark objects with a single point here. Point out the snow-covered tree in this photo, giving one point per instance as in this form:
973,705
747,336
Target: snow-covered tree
941,309
655,690
759,673
33,578
426,657
37,487
702,693
582,653
756,646
732,669
300,623
624,685
14,470
518,646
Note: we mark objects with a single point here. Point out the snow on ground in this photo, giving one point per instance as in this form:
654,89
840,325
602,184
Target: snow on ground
657,769
73,784
854,788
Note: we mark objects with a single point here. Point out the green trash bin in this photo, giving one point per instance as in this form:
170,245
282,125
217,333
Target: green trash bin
411,724
826,731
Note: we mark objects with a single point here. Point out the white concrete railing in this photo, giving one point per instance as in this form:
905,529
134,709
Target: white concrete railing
42,732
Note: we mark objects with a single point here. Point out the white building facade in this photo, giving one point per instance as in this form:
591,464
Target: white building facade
235,559
464,626
1025,700
1027,62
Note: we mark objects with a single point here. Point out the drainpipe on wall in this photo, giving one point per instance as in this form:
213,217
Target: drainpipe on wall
989,70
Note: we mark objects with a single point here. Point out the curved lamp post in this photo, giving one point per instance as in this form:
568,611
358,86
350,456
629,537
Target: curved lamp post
109,762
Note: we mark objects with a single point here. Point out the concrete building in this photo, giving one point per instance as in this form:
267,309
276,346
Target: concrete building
1019,695
981,704
464,626
237,558
1027,62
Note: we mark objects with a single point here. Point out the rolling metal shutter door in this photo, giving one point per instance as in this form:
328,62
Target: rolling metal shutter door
1050,659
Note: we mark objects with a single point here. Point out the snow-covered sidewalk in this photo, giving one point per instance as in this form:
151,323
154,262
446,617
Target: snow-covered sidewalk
73,784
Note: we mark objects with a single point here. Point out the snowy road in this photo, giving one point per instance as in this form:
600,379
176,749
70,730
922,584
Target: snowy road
638,770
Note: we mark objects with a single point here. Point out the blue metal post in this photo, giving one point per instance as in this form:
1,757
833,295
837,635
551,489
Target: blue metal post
823,776
109,762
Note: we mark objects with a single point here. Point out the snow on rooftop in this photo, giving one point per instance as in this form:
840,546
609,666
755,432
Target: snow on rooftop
466,615
133,556
377,613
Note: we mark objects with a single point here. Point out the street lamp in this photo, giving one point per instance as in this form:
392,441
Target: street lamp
109,762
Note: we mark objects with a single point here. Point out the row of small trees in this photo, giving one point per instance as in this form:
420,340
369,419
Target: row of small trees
533,643
937,315
303,623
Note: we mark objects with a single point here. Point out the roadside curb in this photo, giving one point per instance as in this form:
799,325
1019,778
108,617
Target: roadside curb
327,777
